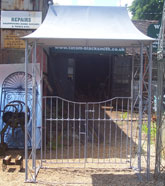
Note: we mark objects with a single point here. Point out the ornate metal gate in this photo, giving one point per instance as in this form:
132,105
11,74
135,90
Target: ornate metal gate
12,101
99,132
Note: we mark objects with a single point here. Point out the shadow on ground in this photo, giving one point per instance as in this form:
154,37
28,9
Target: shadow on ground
124,180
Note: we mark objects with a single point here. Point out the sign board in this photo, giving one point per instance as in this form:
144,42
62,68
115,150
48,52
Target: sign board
12,38
13,41
153,31
88,50
20,19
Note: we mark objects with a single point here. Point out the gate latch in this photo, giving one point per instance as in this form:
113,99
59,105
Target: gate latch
89,110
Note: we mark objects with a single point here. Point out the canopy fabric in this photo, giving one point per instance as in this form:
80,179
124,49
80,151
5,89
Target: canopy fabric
88,26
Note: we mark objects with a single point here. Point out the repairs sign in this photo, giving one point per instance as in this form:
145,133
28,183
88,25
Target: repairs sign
20,19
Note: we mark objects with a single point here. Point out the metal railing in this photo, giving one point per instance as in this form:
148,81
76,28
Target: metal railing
77,132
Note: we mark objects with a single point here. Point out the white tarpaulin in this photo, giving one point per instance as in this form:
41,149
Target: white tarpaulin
88,26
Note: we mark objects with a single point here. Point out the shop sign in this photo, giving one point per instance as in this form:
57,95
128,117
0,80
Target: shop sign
97,50
13,41
20,19
153,31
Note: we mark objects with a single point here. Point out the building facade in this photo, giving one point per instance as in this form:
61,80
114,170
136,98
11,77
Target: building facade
18,18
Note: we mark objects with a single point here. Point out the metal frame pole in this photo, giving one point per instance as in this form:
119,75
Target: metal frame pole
159,117
41,83
132,101
34,111
140,108
149,111
26,105
86,132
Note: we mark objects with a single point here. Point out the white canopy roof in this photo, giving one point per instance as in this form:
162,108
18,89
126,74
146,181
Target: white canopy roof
89,26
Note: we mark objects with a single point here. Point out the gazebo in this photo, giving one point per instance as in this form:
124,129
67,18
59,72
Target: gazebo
86,26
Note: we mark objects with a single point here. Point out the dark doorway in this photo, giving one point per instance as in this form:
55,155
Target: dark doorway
92,76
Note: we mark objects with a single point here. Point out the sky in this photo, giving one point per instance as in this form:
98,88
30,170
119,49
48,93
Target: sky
95,2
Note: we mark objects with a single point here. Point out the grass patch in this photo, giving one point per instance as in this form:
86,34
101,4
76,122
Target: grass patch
153,130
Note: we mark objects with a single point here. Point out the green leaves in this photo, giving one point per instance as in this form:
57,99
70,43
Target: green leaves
146,9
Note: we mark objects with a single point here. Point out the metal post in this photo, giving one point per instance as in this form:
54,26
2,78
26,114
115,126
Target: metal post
159,117
149,111
41,83
140,108
86,132
132,97
26,105
34,111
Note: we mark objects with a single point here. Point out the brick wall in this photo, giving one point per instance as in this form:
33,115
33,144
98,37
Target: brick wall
16,55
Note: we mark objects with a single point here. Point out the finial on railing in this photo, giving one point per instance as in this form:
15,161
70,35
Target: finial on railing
50,2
